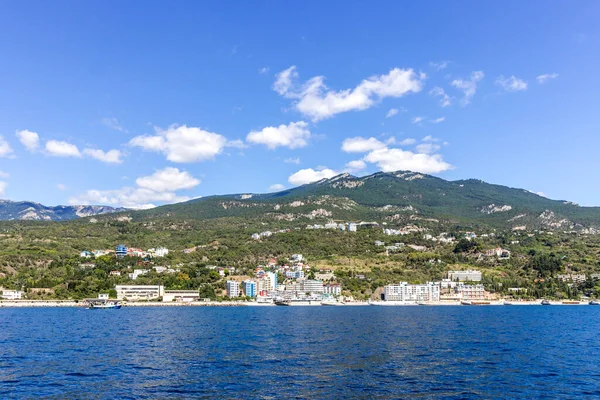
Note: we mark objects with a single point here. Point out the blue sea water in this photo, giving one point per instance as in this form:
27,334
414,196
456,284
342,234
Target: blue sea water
300,352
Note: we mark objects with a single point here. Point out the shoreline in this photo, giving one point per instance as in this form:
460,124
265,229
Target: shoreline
81,304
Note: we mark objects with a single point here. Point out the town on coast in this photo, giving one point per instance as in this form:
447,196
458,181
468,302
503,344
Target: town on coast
292,283
159,276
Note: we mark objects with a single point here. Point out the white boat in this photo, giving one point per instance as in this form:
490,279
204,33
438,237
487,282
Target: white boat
103,304
329,302
298,302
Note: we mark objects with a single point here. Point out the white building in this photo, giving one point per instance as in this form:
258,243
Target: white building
351,227
468,275
297,257
184,296
333,288
85,254
136,273
11,294
100,253
158,252
405,292
311,286
498,252
470,292
139,292
294,274
233,288
577,278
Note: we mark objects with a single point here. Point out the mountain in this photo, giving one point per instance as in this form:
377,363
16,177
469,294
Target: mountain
399,196
26,210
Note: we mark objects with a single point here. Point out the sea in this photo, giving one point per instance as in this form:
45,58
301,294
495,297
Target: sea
460,352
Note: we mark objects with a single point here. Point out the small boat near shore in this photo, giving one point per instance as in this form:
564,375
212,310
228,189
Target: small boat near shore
103,304
298,302
474,303
546,302
570,302
594,303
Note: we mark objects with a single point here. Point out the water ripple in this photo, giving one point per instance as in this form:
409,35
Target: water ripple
302,353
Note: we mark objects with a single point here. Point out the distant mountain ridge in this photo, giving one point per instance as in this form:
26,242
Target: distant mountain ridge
31,211
393,196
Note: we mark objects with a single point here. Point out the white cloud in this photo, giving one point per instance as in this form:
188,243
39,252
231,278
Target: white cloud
444,99
316,101
3,186
361,145
114,124
292,160
391,112
168,180
294,135
62,149
396,159
437,120
309,175
438,66
427,148
183,144
158,187
60,186
276,187
283,80
546,77
30,140
237,143
407,142
5,149
468,87
416,120
263,70
355,166
110,157
511,84
4,175
430,138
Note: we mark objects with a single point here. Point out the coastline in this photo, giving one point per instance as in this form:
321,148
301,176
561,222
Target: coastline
81,304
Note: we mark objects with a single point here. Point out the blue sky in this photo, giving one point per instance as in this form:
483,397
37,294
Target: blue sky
143,103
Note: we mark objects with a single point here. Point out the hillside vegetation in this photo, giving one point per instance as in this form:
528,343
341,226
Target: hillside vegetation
545,237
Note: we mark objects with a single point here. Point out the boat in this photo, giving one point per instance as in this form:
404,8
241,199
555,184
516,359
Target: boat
103,304
594,303
570,302
298,302
474,303
329,302
545,302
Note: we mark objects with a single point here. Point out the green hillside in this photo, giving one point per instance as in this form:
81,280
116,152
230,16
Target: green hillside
387,194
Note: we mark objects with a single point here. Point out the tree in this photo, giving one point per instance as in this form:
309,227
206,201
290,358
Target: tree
546,264
466,246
